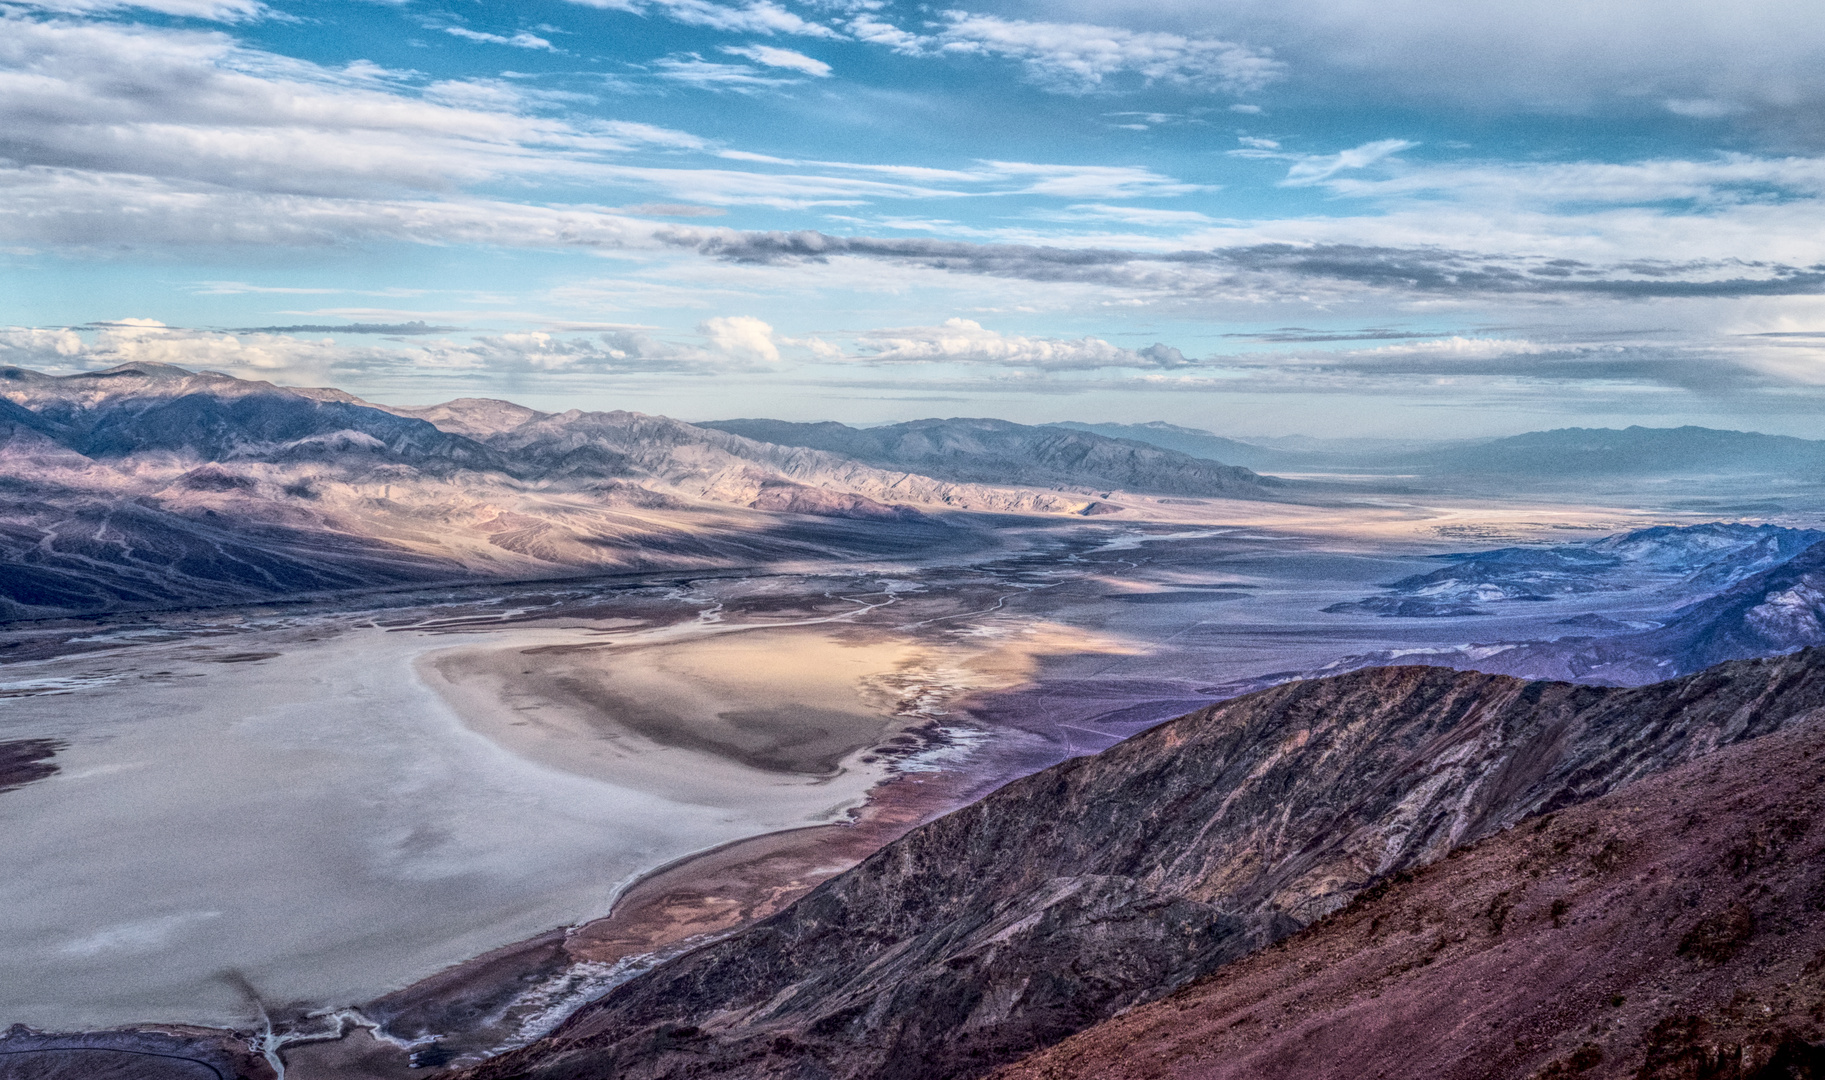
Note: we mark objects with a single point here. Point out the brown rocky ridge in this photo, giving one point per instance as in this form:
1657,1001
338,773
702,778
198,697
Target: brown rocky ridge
1111,880
1674,928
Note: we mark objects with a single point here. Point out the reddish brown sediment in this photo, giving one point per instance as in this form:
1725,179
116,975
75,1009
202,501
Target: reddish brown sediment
1672,929
722,890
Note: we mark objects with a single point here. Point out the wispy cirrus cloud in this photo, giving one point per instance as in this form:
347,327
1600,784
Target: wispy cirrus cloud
1082,57
224,11
754,17
520,40
773,57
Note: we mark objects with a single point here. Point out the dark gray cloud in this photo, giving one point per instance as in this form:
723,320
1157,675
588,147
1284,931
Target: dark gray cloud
1424,270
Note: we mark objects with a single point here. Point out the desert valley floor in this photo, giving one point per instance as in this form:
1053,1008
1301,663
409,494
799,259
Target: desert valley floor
316,805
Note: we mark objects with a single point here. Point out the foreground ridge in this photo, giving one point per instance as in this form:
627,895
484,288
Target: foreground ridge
1111,880
1675,928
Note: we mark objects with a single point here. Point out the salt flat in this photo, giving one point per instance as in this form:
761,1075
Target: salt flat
318,822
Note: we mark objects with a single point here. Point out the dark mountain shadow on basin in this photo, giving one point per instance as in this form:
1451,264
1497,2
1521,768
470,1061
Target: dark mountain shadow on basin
23,761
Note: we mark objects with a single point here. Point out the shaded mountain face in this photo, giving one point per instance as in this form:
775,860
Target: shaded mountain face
1110,880
997,451
1672,929
149,408
1203,444
1690,558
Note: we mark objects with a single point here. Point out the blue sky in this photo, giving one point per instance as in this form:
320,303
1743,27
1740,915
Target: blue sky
1310,216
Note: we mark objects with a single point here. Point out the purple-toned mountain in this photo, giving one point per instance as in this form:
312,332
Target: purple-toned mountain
148,486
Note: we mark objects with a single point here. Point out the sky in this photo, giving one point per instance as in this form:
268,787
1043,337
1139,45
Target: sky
1411,218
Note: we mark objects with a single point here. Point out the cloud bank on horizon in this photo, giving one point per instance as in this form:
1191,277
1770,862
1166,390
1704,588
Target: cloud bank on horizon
1306,216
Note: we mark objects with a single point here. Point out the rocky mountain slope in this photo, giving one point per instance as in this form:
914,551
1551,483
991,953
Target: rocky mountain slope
1776,611
1110,880
997,451
1672,929
148,486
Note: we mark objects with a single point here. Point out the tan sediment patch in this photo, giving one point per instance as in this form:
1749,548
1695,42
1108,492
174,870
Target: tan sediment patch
711,720
718,719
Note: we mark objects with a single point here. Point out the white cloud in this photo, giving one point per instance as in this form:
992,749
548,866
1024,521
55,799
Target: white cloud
741,336
1720,181
229,11
693,70
196,108
313,361
770,56
1079,57
877,31
966,341
1559,55
754,17
1313,170
521,40
1091,181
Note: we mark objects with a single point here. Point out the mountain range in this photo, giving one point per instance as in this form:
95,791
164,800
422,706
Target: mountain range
149,486
1558,456
997,451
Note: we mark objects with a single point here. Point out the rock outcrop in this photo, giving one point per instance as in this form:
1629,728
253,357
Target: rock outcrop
1110,880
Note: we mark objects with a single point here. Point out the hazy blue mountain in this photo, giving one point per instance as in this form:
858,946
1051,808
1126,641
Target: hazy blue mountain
998,451
1203,444
1630,452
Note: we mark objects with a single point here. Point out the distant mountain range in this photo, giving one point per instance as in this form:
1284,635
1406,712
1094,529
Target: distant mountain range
150,486
1535,457
1203,444
997,451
